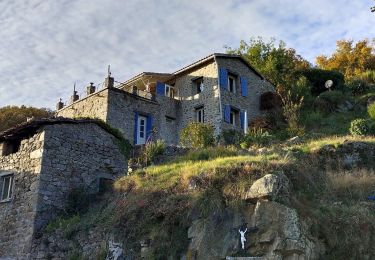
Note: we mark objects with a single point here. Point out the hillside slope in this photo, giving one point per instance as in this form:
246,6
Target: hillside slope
306,200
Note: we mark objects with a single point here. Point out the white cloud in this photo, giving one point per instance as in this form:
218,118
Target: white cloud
46,46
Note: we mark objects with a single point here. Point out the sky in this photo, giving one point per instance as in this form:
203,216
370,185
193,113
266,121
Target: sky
47,46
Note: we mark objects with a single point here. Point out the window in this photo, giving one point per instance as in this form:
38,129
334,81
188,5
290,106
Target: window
6,187
11,146
198,85
199,114
232,82
169,91
234,116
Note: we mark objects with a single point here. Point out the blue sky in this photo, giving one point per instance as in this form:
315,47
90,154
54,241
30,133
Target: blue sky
46,46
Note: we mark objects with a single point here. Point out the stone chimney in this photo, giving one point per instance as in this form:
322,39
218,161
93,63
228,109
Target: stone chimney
109,81
90,89
59,105
75,96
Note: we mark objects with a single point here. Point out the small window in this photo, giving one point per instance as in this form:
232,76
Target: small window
11,146
234,116
199,114
6,187
232,83
169,91
169,119
198,85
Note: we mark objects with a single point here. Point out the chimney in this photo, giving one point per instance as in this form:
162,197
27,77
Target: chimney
59,105
90,89
109,81
75,96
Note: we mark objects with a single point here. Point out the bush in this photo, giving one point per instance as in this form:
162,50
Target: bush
359,127
358,86
257,137
367,76
328,101
318,77
291,111
197,135
371,110
231,137
153,149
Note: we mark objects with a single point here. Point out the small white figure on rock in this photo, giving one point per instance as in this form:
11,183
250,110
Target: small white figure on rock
243,238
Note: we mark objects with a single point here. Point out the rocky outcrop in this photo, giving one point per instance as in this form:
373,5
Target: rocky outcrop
271,186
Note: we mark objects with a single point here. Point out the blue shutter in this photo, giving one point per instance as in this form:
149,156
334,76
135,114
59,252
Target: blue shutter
227,113
160,88
242,119
223,78
149,127
244,86
135,127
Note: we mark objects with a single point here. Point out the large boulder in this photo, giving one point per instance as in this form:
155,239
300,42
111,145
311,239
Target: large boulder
271,186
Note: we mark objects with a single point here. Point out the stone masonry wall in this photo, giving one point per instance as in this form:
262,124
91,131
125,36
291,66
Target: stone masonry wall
75,156
256,86
47,167
92,106
209,98
17,215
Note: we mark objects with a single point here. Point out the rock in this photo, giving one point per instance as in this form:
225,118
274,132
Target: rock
282,235
271,186
115,251
294,140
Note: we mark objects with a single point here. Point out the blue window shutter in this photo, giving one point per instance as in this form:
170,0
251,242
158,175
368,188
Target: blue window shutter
149,127
135,127
227,113
242,119
160,88
223,78
244,86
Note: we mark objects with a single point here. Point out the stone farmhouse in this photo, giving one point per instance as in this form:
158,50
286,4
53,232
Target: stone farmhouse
221,89
40,163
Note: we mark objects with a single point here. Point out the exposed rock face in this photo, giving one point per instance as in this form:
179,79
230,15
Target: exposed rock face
270,186
282,235
274,230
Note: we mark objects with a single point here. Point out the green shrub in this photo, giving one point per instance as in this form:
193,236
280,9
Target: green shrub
359,127
69,225
78,200
368,76
358,86
328,101
257,137
291,112
197,135
318,77
231,137
153,149
371,110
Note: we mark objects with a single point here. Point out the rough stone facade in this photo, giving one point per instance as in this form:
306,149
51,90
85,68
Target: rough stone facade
119,106
48,165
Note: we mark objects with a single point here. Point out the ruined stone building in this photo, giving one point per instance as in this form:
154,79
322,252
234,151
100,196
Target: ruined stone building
221,89
40,163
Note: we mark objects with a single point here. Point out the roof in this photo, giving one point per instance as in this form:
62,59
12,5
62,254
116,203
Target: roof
193,65
144,74
29,128
218,55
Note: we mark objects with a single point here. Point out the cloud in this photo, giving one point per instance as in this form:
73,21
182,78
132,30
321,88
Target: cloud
46,46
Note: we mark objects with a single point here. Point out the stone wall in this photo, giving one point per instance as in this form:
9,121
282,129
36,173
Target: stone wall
256,86
209,98
92,106
47,167
16,216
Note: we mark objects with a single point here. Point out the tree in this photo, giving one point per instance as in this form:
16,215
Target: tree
350,59
14,115
274,60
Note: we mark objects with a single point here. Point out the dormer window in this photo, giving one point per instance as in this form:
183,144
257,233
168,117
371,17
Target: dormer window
232,79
